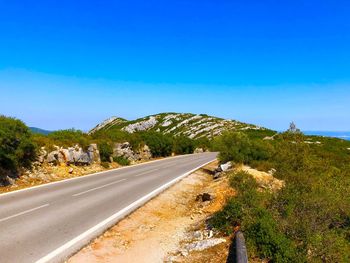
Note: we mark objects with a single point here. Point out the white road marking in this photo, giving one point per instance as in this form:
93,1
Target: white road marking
96,188
24,212
112,219
146,172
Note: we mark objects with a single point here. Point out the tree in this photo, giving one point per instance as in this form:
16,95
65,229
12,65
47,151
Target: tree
16,147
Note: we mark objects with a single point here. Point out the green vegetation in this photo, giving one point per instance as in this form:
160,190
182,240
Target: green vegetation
17,149
183,145
159,144
121,160
106,151
309,219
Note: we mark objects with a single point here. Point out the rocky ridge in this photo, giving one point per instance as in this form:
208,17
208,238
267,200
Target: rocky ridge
186,124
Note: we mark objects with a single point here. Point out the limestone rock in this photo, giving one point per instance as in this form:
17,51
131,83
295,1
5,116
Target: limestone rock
204,244
226,166
198,150
125,150
41,155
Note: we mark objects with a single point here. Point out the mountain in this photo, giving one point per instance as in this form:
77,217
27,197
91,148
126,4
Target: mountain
39,131
187,124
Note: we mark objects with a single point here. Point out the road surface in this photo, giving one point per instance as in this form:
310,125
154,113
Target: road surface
48,223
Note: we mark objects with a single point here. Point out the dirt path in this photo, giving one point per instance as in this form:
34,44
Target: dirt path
162,229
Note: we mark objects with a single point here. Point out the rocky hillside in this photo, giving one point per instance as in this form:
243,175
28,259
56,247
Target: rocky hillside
187,124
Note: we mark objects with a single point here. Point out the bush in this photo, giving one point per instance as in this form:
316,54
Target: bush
69,137
106,151
233,146
159,144
121,160
183,145
229,217
16,147
269,241
238,147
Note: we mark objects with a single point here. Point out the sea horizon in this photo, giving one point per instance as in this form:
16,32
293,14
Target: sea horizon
345,135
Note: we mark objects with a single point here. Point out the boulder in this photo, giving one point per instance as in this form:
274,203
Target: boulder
226,166
52,157
204,197
41,155
94,153
125,150
198,150
67,155
73,155
145,153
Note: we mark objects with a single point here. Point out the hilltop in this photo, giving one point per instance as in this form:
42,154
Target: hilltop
191,125
39,131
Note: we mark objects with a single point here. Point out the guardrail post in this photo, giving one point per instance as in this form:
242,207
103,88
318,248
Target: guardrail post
238,249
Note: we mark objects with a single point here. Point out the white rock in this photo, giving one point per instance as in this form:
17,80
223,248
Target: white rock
226,166
204,244
141,126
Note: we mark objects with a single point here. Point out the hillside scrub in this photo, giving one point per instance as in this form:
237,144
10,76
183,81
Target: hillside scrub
183,145
17,149
159,144
309,219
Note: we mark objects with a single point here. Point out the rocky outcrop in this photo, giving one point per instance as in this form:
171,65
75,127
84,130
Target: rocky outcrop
73,155
141,126
125,150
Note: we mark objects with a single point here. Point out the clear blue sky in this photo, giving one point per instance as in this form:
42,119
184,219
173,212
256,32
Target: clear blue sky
74,63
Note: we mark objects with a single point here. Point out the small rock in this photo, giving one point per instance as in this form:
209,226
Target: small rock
10,180
204,197
198,150
272,171
184,253
70,170
198,235
226,166
217,175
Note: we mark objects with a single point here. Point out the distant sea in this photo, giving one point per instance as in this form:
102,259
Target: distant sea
337,134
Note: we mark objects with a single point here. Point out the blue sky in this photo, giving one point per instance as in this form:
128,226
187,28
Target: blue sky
74,63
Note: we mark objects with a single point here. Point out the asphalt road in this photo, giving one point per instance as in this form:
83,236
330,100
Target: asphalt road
50,222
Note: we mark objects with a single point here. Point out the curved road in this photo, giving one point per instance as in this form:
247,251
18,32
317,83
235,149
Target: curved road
50,222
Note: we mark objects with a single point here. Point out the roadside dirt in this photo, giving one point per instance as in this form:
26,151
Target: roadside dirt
165,228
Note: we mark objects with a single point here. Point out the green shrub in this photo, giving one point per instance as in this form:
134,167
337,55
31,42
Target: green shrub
69,138
106,151
183,145
269,241
229,217
159,144
233,146
121,160
16,146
